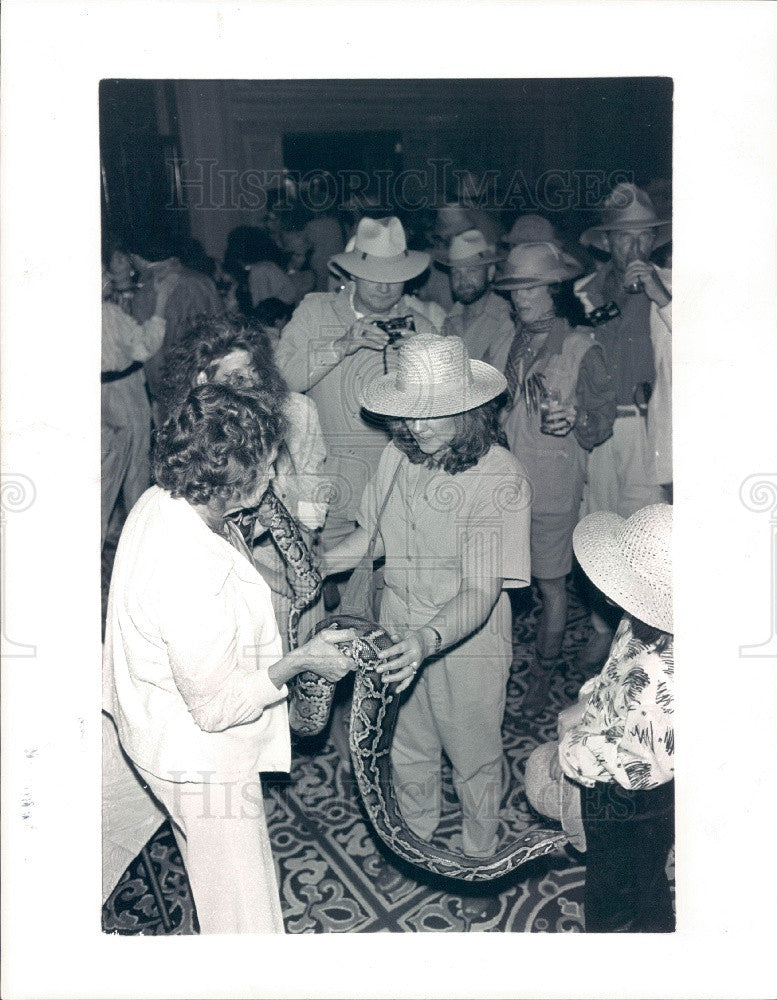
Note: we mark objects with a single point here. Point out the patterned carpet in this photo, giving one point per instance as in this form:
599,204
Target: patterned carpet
334,874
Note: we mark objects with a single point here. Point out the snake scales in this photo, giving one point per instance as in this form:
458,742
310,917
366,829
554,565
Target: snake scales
373,718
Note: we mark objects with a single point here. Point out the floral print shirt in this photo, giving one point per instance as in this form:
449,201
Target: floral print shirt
626,734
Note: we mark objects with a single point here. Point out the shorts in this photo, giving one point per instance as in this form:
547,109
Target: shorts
551,544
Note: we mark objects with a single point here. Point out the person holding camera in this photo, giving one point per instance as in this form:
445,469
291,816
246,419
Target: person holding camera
334,344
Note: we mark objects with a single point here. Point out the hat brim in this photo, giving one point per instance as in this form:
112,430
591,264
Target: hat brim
423,401
401,267
551,278
595,541
476,260
595,236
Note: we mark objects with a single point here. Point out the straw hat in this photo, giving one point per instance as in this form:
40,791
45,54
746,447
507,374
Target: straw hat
531,229
434,378
469,249
532,264
627,208
379,253
631,561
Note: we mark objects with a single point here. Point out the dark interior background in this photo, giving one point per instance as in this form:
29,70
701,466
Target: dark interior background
189,156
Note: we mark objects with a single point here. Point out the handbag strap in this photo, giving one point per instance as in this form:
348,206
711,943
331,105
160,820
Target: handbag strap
371,545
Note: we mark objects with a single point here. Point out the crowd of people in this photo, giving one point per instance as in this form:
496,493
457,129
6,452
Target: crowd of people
470,404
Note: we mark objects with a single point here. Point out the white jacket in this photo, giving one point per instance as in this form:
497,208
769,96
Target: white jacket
190,635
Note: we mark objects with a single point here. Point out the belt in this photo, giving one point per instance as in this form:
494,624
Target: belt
115,376
628,411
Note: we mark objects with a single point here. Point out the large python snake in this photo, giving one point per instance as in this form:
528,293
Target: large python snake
373,718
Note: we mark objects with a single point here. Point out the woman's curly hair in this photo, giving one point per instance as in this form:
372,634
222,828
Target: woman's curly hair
210,340
476,431
217,440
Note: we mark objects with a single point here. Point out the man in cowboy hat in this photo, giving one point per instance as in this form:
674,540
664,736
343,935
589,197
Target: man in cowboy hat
630,301
480,317
333,345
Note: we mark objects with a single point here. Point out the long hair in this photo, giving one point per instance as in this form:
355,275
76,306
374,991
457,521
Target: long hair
476,431
207,343
649,634
216,441
566,304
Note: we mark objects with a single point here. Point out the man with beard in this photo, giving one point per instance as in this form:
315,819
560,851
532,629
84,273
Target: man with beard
479,316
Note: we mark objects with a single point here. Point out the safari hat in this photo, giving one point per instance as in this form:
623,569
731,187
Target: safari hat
631,560
531,229
379,253
452,219
469,249
627,208
532,264
434,377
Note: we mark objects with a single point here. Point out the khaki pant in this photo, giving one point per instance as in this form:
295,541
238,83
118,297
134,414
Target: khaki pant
456,705
221,833
618,477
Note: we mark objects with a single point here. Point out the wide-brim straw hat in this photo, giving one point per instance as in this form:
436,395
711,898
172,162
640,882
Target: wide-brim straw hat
469,249
631,560
627,208
434,377
379,253
529,265
531,229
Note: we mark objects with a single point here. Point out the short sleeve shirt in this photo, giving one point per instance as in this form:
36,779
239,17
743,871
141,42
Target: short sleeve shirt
439,529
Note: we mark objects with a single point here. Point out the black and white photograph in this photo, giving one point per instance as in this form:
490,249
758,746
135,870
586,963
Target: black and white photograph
347,605
440,312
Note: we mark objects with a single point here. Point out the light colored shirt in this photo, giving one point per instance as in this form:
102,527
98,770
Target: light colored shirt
124,340
309,362
439,529
190,636
300,481
486,328
627,731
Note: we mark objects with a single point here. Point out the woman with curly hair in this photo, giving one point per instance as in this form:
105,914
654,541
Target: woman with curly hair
194,674
228,348
454,531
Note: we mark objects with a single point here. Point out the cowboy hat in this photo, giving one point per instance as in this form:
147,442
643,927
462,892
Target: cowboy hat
532,264
452,219
469,249
627,208
531,229
434,377
379,253
631,560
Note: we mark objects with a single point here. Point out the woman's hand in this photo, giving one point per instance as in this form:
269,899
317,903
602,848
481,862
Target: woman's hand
559,420
322,656
361,333
405,656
